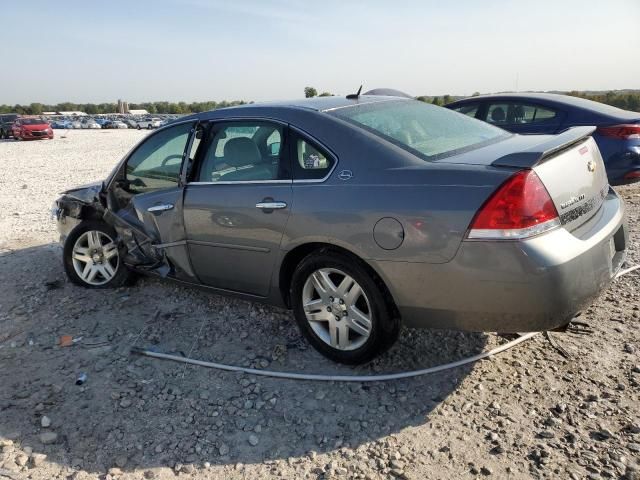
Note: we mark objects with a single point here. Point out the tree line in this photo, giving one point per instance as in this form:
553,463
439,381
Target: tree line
96,108
627,100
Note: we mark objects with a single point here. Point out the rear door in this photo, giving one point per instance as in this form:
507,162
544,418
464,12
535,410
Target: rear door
237,204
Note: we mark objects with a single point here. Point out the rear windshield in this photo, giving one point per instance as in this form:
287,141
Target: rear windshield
428,131
33,121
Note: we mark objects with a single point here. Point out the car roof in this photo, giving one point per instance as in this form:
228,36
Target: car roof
320,104
553,98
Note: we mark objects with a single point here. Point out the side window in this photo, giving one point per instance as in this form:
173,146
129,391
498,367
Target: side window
156,163
468,109
244,151
497,113
518,114
310,162
543,114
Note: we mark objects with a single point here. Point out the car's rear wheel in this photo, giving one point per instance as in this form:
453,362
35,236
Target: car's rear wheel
92,258
341,309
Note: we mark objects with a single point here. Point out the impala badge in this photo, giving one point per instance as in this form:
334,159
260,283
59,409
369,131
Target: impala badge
591,166
345,175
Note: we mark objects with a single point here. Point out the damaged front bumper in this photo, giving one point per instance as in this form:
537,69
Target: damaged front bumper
64,222
75,205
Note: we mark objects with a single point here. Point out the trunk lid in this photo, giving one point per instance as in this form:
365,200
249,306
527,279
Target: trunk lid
577,182
572,170
568,164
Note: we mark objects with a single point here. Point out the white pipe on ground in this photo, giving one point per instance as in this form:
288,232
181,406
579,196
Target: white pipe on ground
350,378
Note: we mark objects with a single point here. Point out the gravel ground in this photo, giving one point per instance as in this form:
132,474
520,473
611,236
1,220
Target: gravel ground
527,413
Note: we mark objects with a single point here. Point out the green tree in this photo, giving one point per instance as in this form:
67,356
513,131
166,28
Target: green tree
326,94
633,102
35,109
310,92
91,109
436,101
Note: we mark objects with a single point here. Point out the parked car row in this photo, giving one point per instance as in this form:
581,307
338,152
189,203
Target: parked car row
91,123
26,127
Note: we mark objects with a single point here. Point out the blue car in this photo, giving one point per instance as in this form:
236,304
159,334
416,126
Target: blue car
617,135
61,124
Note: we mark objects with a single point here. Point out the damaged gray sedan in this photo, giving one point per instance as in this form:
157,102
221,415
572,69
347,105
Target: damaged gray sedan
360,214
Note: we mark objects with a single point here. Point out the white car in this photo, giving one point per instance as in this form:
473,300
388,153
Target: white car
91,123
149,123
118,124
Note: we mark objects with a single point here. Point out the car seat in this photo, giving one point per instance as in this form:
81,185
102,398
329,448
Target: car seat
243,154
498,115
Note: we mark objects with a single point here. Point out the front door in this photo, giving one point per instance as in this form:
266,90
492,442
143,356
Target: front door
148,196
237,204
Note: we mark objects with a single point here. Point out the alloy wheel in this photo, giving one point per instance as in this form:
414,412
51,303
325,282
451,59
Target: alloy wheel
95,257
337,309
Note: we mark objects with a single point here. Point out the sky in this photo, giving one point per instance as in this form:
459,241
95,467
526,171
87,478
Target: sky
196,50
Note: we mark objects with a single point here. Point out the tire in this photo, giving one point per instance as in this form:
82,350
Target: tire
79,242
342,311
138,127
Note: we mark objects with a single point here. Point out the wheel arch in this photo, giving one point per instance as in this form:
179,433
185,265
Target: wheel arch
294,256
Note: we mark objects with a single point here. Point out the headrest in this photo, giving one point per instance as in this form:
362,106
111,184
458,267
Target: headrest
498,114
241,151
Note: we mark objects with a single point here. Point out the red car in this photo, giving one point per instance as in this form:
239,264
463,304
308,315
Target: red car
31,129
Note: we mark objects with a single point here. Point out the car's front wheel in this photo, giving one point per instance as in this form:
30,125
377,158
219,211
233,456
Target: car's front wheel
341,310
92,258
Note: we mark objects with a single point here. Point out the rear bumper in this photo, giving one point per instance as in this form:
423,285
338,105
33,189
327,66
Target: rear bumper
514,286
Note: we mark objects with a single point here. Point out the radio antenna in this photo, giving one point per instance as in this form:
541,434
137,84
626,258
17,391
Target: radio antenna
354,96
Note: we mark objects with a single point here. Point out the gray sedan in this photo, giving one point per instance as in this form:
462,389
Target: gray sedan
360,214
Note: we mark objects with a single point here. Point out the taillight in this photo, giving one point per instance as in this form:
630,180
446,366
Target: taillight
622,132
520,208
635,175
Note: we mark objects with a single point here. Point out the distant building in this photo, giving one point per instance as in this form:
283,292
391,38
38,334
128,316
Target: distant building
138,112
123,107
73,114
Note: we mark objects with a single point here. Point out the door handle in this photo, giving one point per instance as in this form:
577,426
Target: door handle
271,205
160,208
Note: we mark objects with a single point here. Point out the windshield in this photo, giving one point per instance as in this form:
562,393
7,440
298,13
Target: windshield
33,121
423,129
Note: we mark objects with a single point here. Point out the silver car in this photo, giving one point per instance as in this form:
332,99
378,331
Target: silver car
360,214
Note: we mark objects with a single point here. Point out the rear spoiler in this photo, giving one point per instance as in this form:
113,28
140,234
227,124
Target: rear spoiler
543,151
